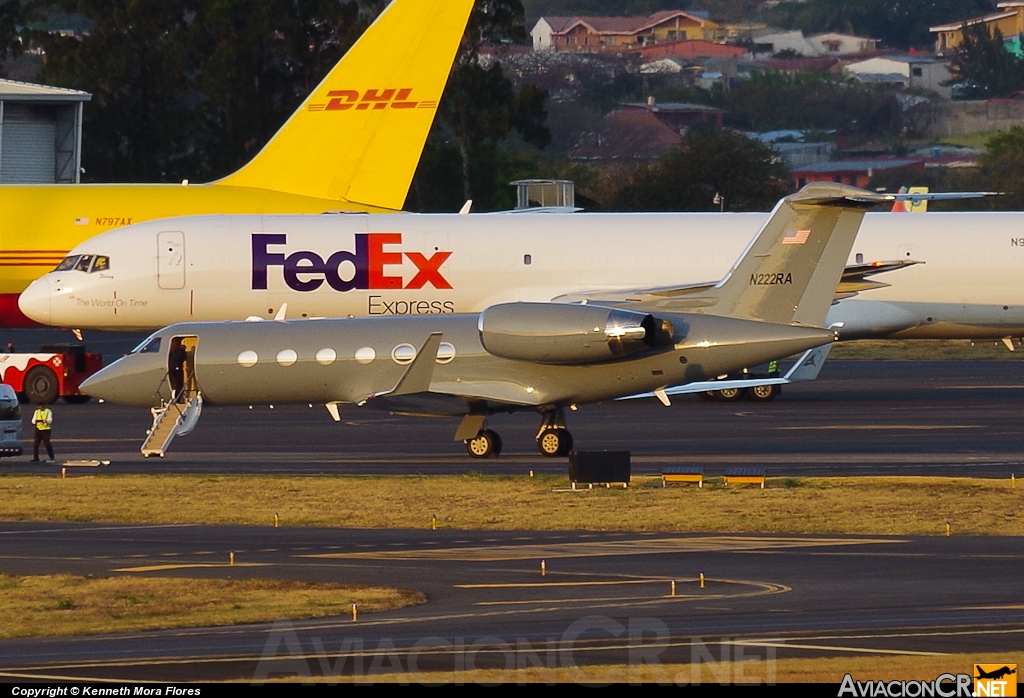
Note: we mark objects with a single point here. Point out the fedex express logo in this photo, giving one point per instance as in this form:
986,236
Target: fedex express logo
343,270
343,100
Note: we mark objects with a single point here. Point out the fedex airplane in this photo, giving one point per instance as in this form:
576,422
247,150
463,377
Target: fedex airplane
352,145
928,275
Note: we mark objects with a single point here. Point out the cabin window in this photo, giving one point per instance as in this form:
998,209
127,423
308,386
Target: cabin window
83,263
527,259
860,258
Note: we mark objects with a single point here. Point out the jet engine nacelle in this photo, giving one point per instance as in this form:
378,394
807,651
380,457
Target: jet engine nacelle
560,333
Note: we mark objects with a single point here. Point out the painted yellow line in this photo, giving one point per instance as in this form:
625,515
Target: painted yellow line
889,427
862,650
185,566
655,546
591,599
527,585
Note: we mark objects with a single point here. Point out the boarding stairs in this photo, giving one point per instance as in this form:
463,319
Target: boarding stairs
174,418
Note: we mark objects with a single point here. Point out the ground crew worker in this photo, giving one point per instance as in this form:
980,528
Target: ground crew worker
773,368
42,420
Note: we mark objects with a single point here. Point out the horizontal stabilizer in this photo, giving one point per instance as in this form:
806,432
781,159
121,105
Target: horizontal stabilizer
806,368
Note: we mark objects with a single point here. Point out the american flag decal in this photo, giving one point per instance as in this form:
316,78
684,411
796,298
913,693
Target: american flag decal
796,237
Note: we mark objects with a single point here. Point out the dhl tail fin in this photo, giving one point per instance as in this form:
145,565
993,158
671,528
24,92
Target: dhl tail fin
789,272
359,135
909,205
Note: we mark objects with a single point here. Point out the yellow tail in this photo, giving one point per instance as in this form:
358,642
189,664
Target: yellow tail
358,137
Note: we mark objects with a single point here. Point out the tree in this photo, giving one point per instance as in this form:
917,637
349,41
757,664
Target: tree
192,88
1002,166
896,23
745,172
984,65
479,110
811,100
134,61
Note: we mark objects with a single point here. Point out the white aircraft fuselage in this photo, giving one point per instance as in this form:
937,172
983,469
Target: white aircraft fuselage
205,268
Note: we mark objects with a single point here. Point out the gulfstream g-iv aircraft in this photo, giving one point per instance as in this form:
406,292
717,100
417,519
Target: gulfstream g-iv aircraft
948,275
512,356
353,144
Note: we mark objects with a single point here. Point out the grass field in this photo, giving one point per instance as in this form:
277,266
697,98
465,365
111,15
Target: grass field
924,350
867,505
783,671
51,605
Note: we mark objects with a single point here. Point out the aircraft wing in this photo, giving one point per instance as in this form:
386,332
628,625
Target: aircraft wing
806,368
853,281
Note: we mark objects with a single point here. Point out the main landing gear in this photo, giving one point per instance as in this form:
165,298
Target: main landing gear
553,439
485,444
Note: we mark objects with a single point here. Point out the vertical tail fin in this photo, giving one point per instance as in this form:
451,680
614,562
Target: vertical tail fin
911,206
359,135
789,272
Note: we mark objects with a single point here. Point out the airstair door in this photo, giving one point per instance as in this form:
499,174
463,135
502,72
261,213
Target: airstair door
171,259
179,414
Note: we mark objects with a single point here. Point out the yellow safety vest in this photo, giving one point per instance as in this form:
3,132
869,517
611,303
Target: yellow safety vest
43,419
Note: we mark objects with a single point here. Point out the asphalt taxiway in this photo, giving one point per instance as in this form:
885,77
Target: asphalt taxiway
912,418
606,598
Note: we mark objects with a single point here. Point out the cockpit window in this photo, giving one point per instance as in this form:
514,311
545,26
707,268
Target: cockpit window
68,263
89,263
150,345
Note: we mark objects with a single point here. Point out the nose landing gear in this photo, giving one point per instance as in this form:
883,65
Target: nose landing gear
553,439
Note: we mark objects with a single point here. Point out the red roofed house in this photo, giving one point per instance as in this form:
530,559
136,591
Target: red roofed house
689,49
618,33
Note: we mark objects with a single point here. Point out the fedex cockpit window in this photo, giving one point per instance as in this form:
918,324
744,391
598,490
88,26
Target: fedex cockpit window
89,263
150,345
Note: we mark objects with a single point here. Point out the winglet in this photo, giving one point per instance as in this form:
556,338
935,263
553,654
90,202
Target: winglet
420,373
359,135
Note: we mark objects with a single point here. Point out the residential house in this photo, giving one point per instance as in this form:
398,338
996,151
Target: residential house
915,72
678,116
813,46
1009,20
618,33
855,172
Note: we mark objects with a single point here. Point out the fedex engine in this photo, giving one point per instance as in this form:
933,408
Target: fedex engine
559,333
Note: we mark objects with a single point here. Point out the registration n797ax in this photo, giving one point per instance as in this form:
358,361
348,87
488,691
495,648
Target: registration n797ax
515,356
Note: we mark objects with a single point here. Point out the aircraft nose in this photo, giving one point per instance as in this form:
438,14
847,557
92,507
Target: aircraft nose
34,301
126,382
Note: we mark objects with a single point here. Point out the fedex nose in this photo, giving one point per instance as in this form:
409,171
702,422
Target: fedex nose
34,301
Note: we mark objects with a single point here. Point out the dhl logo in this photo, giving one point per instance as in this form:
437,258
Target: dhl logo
343,100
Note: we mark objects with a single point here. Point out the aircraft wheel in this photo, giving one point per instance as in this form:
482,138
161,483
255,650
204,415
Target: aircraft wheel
765,393
484,445
729,394
555,442
41,385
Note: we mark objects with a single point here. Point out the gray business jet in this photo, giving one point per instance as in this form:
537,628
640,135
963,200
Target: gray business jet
514,356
